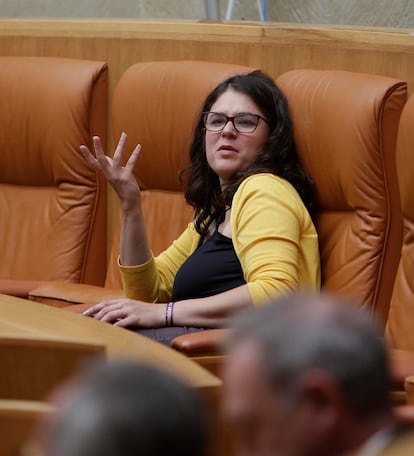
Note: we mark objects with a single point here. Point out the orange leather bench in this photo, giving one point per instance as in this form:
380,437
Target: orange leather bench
346,127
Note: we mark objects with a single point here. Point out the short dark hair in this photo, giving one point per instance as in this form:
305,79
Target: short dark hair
129,409
278,156
305,331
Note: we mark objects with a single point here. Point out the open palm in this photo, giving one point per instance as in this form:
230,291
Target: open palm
121,178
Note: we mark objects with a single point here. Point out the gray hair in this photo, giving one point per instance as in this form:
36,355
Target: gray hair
303,331
123,408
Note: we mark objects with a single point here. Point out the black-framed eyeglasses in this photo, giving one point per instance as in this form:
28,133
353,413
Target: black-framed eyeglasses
243,123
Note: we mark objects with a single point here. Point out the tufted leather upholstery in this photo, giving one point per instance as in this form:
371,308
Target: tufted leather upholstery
345,127
155,103
53,208
400,327
164,98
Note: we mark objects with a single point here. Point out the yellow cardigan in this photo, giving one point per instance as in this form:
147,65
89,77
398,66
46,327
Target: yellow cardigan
273,237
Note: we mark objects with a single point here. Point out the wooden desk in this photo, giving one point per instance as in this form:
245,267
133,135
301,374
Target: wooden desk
19,316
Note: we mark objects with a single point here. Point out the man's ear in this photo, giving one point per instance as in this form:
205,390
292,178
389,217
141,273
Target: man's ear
321,400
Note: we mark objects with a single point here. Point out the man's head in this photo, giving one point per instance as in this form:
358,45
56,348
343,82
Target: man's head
303,373
124,408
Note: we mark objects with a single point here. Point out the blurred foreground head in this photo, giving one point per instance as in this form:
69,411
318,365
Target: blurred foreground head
306,375
128,409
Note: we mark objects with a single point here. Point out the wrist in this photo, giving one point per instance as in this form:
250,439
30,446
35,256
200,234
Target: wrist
131,207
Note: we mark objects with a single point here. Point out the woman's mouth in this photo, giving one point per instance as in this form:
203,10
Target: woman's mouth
227,148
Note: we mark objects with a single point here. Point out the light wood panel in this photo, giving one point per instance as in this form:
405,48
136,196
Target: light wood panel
21,317
17,423
33,366
274,47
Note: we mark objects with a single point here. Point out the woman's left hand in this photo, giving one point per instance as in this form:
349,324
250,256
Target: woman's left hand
126,312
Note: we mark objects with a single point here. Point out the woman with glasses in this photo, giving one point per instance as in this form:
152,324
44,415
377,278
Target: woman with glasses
252,237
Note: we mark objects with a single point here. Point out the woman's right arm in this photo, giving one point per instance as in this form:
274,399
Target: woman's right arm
134,248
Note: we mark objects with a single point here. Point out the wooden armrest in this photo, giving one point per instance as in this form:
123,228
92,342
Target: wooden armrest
60,294
204,343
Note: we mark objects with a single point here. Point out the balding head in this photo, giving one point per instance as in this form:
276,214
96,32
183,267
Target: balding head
307,331
318,359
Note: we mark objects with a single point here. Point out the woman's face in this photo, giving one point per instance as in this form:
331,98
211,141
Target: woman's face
229,151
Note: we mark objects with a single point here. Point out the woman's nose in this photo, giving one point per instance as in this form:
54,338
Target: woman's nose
229,128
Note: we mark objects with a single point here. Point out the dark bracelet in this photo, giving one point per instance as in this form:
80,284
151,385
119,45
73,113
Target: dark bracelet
169,321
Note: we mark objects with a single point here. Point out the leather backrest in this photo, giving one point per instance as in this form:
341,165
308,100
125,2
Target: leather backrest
156,103
53,207
345,127
400,328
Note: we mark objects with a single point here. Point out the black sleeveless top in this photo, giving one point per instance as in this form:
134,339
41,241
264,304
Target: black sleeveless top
211,269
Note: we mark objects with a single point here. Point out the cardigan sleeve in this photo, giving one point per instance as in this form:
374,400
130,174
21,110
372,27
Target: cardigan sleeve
153,281
266,219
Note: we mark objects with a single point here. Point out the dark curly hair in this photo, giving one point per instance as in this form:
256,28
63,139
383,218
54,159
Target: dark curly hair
278,156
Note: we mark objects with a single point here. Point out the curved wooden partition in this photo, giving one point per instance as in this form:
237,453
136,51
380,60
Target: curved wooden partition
274,47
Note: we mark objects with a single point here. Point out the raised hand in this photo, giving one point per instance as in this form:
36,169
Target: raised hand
121,178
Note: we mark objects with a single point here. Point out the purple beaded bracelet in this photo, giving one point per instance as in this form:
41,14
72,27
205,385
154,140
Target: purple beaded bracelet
169,314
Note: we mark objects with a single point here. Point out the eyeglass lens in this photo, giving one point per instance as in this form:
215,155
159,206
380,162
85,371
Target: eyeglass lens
243,123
